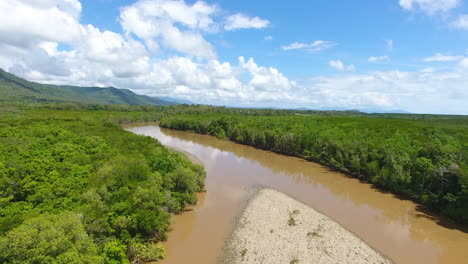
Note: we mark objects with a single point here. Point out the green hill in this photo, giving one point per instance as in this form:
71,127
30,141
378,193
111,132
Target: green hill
15,89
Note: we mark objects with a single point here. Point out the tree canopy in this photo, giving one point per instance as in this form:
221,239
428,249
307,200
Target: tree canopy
76,188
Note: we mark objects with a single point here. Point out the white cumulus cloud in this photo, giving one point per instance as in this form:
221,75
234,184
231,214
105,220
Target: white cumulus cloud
464,63
175,24
241,21
378,58
439,57
266,79
145,16
188,42
125,57
429,7
24,23
418,92
340,66
315,46
461,22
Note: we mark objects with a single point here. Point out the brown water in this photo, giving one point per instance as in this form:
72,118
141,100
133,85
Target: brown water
392,226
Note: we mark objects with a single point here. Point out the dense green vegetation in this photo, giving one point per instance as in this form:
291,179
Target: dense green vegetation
76,188
15,89
424,157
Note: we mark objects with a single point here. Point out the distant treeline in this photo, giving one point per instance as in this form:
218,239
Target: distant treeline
76,188
79,106
424,157
208,109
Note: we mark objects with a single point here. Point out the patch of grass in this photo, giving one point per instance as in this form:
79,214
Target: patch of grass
294,261
243,253
292,221
314,234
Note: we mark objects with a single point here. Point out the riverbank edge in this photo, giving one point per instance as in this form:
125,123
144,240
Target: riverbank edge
263,234
192,158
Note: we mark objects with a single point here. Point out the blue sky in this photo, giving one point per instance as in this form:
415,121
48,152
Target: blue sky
325,54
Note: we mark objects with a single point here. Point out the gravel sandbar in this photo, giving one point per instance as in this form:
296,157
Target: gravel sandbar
275,228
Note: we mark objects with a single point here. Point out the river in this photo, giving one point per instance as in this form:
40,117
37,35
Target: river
392,226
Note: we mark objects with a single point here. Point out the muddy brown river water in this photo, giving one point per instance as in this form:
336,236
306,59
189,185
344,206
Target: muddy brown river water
394,227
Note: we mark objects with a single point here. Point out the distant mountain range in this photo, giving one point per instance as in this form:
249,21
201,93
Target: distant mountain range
369,110
338,109
16,89
176,100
